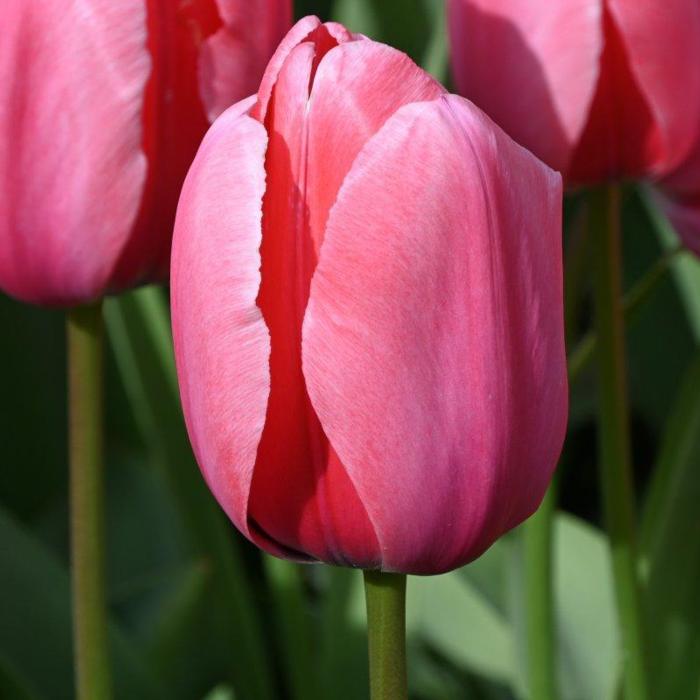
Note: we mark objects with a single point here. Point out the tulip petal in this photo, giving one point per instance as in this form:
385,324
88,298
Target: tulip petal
357,87
72,78
301,499
649,30
684,213
433,339
516,59
222,345
234,59
174,122
316,509
295,36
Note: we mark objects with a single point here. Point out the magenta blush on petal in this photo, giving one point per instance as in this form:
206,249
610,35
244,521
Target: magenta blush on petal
432,308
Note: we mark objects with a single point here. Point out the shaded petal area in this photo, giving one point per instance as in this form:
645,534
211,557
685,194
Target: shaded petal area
531,65
222,346
316,509
663,44
174,122
433,339
301,498
72,170
621,138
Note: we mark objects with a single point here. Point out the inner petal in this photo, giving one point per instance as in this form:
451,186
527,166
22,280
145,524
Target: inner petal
621,138
301,497
173,125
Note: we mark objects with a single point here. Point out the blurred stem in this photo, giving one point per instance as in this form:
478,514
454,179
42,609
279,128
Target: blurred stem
386,627
639,293
614,436
539,607
93,681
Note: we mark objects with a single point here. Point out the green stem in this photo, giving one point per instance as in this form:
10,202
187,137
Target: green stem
631,304
93,679
614,437
386,626
539,600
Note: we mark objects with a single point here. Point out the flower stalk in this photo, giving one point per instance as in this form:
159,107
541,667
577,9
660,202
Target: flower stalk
614,442
92,671
386,626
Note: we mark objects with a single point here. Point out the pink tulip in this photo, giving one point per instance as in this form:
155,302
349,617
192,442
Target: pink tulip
599,89
367,310
102,106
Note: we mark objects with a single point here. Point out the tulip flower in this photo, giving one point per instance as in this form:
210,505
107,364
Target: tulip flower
102,106
599,89
367,313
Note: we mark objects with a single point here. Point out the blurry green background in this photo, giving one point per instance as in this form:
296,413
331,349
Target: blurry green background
199,613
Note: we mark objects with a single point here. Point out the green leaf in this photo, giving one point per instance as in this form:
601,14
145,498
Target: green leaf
139,331
221,692
293,627
473,616
36,634
585,611
670,536
435,57
12,687
399,23
172,629
450,614
343,636
358,16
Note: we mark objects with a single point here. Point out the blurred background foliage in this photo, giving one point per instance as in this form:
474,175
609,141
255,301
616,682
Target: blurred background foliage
197,612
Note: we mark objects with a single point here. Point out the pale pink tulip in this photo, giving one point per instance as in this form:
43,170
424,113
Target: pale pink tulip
102,106
599,89
367,311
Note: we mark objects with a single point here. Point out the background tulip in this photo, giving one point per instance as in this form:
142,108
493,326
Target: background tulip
367,311
599,89
102,106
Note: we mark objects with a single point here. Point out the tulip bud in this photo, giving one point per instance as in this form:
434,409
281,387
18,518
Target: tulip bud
102,106
600,90
367,311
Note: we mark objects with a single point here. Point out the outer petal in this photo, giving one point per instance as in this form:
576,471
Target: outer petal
672,88
357,87
532,65
433,340
221,343
72,77
233,60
